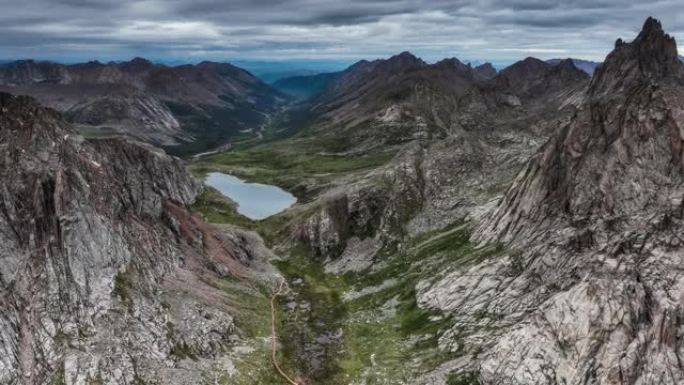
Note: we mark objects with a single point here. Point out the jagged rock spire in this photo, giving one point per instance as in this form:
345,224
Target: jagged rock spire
650,57
629,116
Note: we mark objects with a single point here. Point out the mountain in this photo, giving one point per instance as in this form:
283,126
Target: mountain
305,87
585,65
617,90
531,78
107,276
402,98
204,104
459,139
398,161
586,292
486,70
520,228
270,71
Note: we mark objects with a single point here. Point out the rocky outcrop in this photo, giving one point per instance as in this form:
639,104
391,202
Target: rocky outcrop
372,210
593,294
105,275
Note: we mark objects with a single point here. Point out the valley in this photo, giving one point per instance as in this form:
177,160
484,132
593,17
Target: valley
383,287
355,322
397,222
360,327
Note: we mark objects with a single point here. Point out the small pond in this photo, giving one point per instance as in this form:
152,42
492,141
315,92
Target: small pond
255,200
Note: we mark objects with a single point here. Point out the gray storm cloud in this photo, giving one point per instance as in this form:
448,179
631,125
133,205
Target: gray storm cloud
323,29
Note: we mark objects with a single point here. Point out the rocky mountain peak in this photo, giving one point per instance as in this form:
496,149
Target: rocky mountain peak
403,61
628,130
523,69
452,61
486,70
137,64
651,56
406,55
140,61
566,69
655,49
17,117
454,64
595,213
652,27
529,63
77,218
566,63
532,77
358,64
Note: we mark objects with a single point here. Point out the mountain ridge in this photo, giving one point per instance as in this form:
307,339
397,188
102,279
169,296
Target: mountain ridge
403,98
156,103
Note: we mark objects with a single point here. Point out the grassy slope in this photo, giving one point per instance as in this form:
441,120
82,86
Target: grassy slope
294,165
387,338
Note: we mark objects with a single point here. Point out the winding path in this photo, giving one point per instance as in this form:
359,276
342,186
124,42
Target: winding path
282,290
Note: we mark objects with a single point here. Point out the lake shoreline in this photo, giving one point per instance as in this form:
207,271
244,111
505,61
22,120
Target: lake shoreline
256,201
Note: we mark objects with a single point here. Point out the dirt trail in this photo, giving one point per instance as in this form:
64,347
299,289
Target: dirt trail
282,290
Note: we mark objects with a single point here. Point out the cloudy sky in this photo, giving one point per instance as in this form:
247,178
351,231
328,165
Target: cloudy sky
343,30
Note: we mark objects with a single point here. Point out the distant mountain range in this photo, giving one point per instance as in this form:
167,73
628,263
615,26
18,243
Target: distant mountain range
585,65
401,98
305,87
200,105
192,108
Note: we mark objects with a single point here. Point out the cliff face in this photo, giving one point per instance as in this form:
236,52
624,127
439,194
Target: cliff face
593,292
96,244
